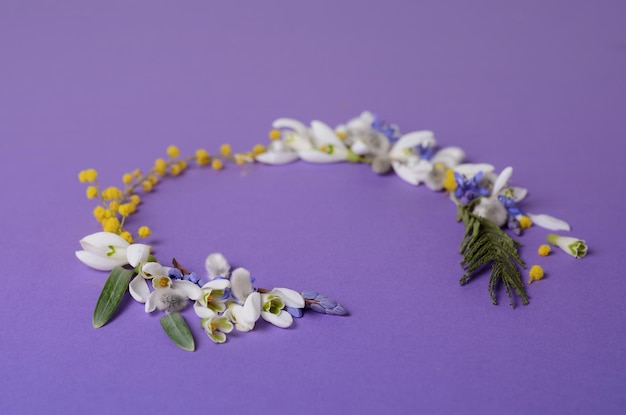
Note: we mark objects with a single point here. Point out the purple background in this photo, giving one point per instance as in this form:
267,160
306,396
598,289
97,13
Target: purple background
537,85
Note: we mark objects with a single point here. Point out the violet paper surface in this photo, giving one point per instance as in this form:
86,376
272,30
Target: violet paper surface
540,86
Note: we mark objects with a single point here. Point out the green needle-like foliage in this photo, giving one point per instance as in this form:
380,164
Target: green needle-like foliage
486,244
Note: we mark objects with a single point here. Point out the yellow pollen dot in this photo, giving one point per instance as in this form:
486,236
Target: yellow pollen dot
160,167
258,149
225,150
98,212
135,200
127,178
274,134
324,148
111,193
90,175
163,282
153,179
535,274
137,173
544,250
173,152
92,192
125,209
127,236
525,222
213,326
144,232
217,164
342,135
449,183
202,157
114,206
240,159
111,225
146,186
175,170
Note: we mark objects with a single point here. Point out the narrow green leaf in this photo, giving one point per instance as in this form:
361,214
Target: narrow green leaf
111,295
176,328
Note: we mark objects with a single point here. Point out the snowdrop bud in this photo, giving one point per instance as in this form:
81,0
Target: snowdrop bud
381,164
491,210
573,246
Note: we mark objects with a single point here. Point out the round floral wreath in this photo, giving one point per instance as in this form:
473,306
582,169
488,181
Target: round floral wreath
226,299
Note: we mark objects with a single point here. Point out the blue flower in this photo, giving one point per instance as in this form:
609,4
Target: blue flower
322,304
175,274
425,151
390,131
469,189
510,205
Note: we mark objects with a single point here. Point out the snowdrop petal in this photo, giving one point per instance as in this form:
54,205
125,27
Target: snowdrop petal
290,297
277,158
406,173
241,285
291,124
518,193
191,290
218,284
502,180
99,262
325,135
151,302
282,320
413,139
316,156
202,311
151,269
251,310
234,314
137,253
103,239
139,289
296,141
549,222
448,156
360,148
470,170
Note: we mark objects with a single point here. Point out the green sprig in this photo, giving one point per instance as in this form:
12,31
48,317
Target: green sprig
484,244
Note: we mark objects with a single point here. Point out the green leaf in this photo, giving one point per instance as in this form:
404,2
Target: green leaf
111,295
485,244
176,328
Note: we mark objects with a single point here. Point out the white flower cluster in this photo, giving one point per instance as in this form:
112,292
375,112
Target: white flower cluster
415,158
411,155
227,301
